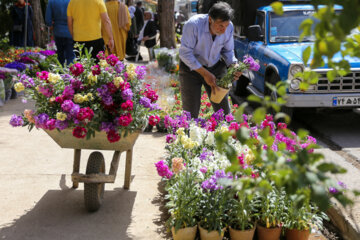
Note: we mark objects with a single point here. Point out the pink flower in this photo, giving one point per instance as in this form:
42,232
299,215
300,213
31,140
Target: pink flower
85,114
43,75
163,170
101,55
79,132
50,124
127,106
154,120
46,91
77,69
112,60
125,120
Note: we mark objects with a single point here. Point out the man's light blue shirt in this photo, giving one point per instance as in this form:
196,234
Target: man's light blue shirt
198,47
56,12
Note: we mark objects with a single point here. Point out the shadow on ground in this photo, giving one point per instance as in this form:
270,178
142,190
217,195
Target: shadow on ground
160,220
60,214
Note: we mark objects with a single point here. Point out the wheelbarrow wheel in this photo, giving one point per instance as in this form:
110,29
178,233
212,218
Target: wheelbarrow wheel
94,192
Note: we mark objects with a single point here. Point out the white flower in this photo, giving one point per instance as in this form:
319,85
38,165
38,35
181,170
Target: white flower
210,139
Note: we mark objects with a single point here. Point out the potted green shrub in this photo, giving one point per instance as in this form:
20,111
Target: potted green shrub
272,212
242,217
183,197
300,220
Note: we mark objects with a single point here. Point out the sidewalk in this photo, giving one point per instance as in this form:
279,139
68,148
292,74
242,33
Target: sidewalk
40,204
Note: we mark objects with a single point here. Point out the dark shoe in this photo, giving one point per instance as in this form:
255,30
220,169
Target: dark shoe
131,59
140,57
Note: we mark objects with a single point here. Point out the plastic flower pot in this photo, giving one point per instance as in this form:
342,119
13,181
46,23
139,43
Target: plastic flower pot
268,233
219,95
294,234
212,235
188,233
242,234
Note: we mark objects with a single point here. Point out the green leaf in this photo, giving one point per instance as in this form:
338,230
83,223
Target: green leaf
259,115
306,55
277,7
302,133
253,98
331,75
326,167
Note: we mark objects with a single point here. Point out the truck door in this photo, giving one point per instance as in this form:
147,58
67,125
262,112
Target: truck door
257,50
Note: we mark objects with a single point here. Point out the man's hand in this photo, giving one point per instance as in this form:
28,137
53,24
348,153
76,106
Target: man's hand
111,44
236,74
209,78
145,38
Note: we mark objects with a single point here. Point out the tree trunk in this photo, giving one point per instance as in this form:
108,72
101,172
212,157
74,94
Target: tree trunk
38,24
167,23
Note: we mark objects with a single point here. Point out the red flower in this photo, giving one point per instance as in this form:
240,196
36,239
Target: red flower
125,120
124,85
111,87
112,60
127,106
281,125
77,69
154,120
79,132
85,113
96,70
113,136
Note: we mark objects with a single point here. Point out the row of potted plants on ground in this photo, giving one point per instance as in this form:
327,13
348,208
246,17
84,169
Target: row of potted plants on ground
208,189
89,97
17,61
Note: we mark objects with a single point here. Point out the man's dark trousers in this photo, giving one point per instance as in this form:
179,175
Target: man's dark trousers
190,86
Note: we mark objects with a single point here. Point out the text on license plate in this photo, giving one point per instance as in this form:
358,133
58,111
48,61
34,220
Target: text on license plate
346,101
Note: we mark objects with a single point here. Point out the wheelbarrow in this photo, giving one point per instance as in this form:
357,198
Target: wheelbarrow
95,178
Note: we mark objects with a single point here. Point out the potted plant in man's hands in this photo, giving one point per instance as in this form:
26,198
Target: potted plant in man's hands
225,82
183,198
300,220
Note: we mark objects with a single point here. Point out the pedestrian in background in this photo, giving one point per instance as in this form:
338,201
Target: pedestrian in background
139,14
84,19
148,33
120,21
131,42
56,17
18,31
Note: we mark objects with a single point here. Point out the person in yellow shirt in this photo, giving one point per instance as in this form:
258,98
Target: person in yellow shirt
84,19
120,21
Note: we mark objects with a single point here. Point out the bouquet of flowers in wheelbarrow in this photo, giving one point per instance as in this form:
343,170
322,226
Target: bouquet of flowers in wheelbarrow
91,106
225,82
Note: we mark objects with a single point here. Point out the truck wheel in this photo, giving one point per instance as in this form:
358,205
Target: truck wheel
94,192
274,78
240,87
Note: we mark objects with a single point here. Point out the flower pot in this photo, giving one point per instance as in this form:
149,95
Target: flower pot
219,95
213,235
268,233
294,234
188,233
242,234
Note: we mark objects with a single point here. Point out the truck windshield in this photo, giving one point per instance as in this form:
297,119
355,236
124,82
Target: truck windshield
285,28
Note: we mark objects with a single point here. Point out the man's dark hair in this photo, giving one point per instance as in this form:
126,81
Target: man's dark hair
222,11
139,3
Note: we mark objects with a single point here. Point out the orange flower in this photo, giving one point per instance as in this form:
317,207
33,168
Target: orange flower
177,165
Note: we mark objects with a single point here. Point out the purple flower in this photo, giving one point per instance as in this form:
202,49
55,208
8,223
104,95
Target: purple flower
343,185
61,125
16,121
67,105
68,92
41,120
211,183
146,102
16,65
26,81
333,190
107,99
219,115
76,84
47,52
140,71
107,126
203,169
74,111
127,94
205,154
119,67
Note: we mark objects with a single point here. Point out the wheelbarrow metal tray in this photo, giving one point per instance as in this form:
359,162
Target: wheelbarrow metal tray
65,139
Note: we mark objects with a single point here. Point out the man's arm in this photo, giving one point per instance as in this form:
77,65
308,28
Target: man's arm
70,25
107,25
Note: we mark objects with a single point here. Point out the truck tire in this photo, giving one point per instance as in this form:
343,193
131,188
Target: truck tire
94,192
273,79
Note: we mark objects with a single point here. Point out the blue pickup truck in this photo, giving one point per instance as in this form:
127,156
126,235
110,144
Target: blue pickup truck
274,41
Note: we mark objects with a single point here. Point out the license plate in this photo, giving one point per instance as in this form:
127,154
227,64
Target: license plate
346,101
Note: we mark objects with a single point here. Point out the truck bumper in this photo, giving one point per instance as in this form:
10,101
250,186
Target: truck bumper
332,100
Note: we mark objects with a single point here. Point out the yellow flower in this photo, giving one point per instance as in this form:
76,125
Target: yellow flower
130,68
29,115
180,132
250,157
78,98
52,99
53,78
131,71
19,87
103,63
90,96
61,116
92,79
117,81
